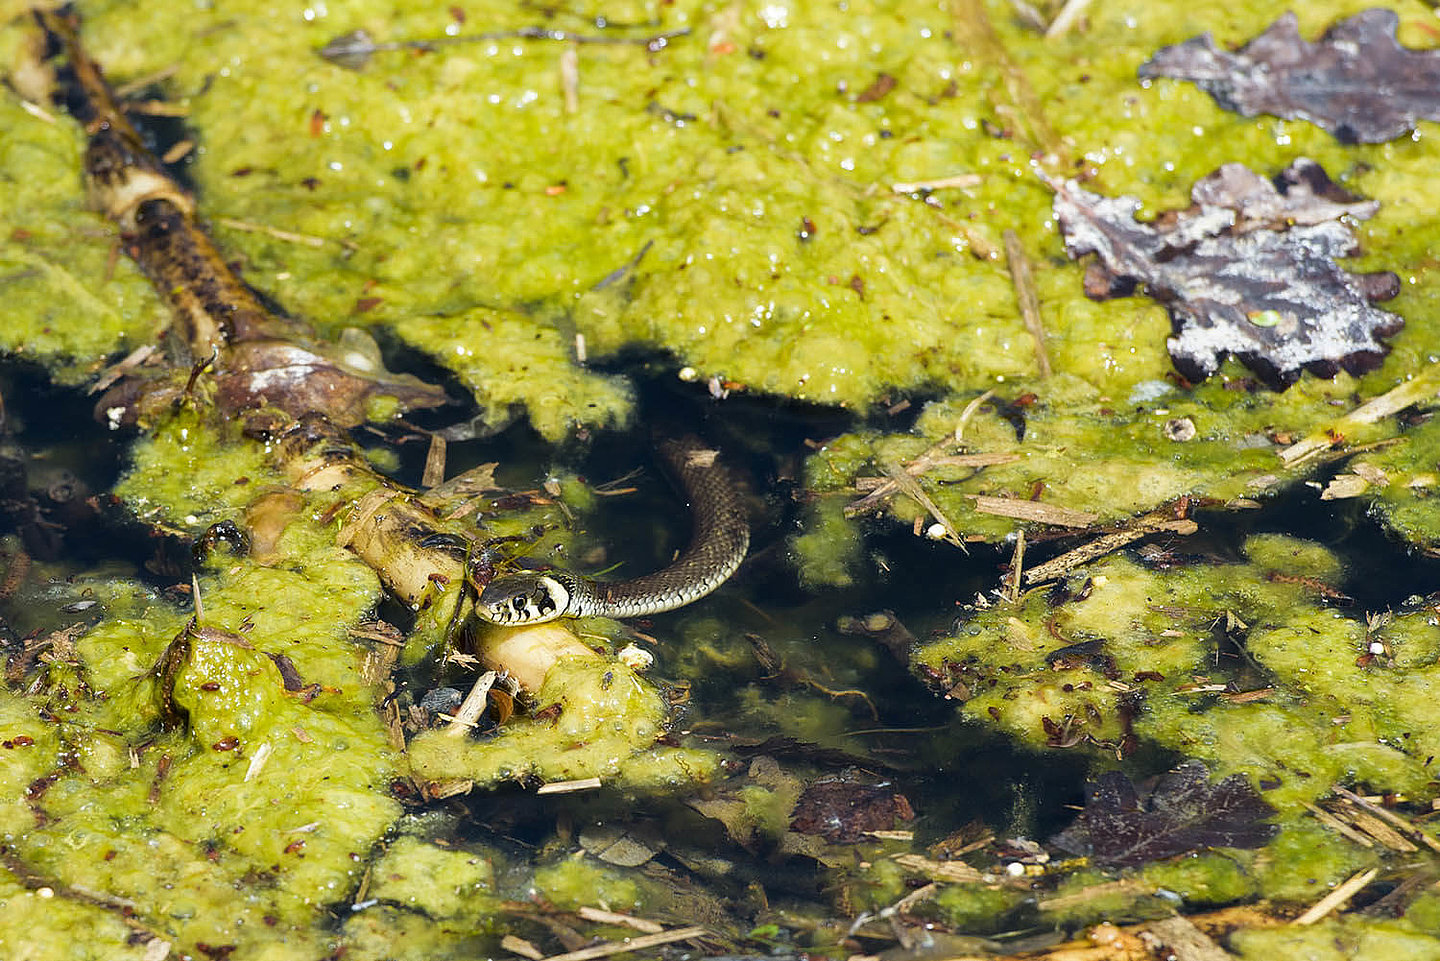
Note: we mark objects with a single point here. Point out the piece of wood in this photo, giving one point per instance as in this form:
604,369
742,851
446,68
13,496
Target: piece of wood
1103,545
1337,897
518,945
612,917
434,473
1032,511
1178,938
1024,283
631,944
569,787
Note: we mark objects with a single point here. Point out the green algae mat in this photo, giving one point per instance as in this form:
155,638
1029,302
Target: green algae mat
1081,368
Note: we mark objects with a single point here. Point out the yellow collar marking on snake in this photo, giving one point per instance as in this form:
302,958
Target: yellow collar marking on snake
717,546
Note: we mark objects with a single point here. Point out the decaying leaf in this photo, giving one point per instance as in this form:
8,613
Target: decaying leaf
1248,269
339,380
1184,812
736,809
843,810
627,846
1357,82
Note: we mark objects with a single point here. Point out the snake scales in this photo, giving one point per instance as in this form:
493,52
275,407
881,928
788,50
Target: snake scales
717,545
219,316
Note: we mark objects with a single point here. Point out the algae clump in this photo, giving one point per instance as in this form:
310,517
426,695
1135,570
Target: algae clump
592,717
437,882
62,306
274,764
1239,663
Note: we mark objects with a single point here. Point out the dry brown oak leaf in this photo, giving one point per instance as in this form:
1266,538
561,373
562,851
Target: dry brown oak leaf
1247,270
1357,82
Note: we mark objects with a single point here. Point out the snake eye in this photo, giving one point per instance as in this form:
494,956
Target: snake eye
519,604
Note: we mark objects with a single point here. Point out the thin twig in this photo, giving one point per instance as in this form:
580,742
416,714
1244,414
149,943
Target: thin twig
199,604
286,235
37,111
912,489
611,917
912,899
353,50
959,182
969,412
1022,510
1338,897
149,79
1104,544
1066,18
157,108
1423,387
1017,564
1024,282
1335,824
570,787
177,151
473,706
632,944
518,945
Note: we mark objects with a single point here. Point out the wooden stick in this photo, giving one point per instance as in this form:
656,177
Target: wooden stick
246,226
518,945
911,488
569,787
1066,18
1422,388
1408,827
611,917
1024,283
1023,510
434,474
1017,565
1337,897
631,944
473,706
1335,824
961,181
1100,546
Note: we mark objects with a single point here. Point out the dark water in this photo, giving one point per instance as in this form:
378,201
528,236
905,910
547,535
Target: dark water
951,772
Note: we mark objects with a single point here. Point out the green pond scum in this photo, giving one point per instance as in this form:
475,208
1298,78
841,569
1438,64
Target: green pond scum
813,206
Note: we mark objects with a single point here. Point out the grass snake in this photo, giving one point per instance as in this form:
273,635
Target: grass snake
718,543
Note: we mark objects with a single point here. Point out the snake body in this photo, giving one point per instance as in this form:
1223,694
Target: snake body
718,543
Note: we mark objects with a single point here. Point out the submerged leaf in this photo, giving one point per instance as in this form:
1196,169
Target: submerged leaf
1249,269
844,810
1184,812
1356,81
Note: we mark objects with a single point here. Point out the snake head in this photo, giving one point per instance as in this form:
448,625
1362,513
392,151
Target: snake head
524,599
